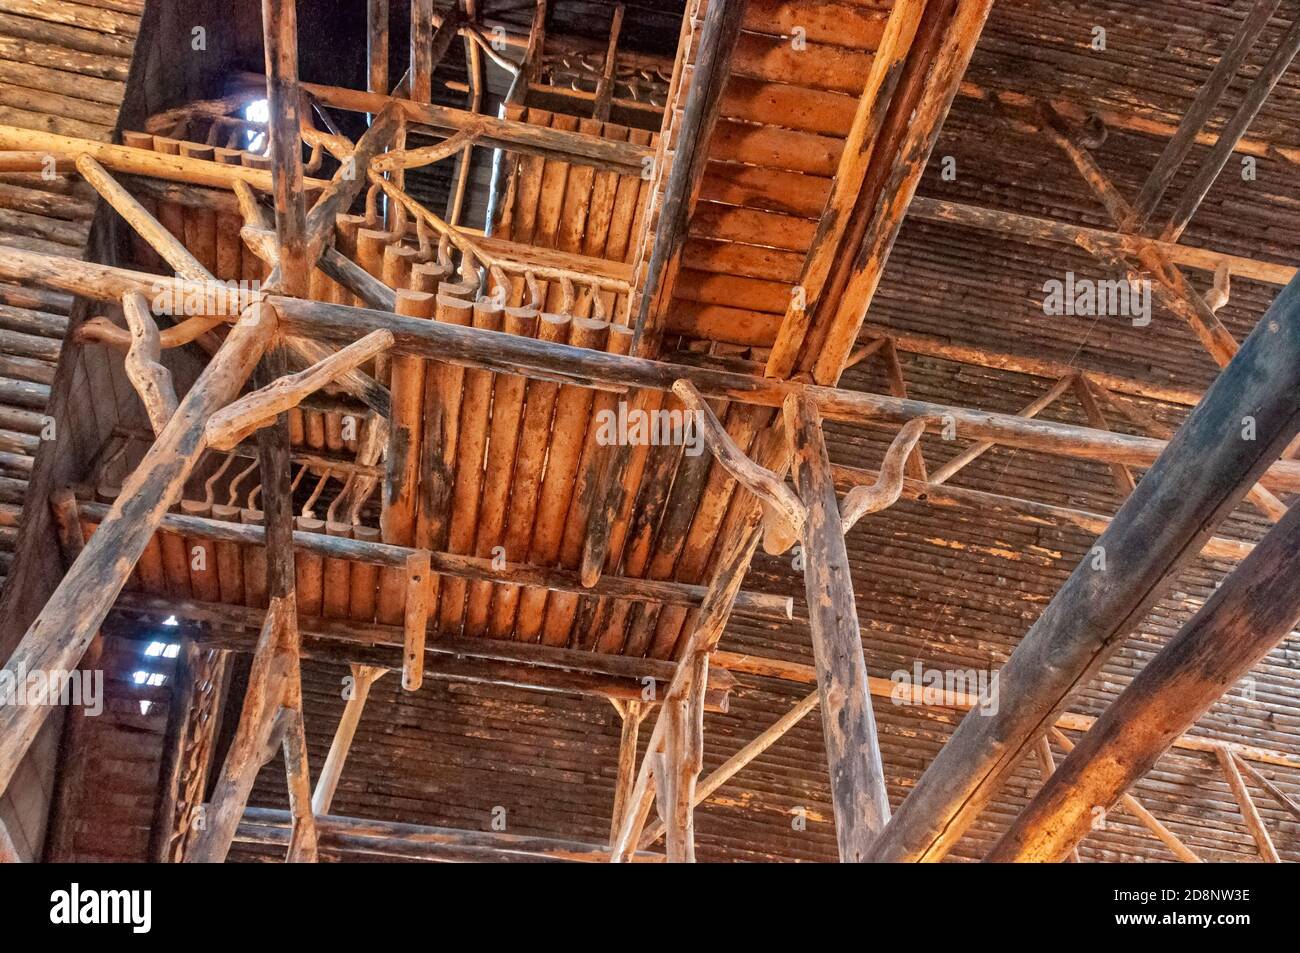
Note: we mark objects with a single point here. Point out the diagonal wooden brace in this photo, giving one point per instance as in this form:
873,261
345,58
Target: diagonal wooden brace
783,513
884,493
233,423
151,380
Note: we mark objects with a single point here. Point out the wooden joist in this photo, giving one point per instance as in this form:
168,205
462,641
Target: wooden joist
575,147
471,347
454,564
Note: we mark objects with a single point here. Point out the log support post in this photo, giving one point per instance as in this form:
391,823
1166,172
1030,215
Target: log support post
363,676
284,127
632,714
858,794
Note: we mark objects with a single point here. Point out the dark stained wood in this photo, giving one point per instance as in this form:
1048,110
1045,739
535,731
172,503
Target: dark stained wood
284,104
1256,607
1203,474
858,793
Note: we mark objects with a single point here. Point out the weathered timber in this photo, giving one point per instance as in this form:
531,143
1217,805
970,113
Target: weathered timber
1256,607
858,793
1202,476
144,368
417,842
524,137
58,637
542,360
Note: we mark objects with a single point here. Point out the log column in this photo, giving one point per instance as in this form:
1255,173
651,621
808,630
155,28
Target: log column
852,750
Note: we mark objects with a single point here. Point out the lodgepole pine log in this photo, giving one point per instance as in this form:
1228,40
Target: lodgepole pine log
473,347
482,661
1202,475
337,197
1254,823
556,362
1253,100
363,676
59,636
1046,767
281,586
418,842
632,713
718,37
284,104
252,745
172,249
573,147
452,564
151,380
931,76
1255,775
858,793
1207,99
236,421
1134,807
839,229
1256,607
377,46
135,161
1032,226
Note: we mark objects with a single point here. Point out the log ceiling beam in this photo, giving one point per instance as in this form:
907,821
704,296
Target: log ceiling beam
1172,288
475,347
1256,607
484,661
459,565
1044,229
1252,101
1198,115
575,147
680,164
934,68
267,826
1202,476
803,674
842,221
